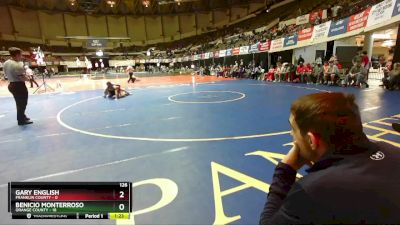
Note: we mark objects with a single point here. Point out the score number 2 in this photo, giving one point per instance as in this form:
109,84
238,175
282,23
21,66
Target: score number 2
122,193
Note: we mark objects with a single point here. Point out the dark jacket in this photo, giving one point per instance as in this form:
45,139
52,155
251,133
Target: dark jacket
300,60
361,186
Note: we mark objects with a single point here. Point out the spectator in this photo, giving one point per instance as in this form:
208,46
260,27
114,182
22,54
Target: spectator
309,67
362,79
279,71
271,73
317,74
280,60
318,61
256,72
46,73
301,72
393,79
29,73
335,10
329,11
318,20
333,58
357,58
299,12
339,66
331,74
300,60
354,73
351,180
326,72
365,60
291,73
386,68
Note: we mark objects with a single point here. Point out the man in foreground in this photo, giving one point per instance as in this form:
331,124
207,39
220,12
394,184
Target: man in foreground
15,72
351,179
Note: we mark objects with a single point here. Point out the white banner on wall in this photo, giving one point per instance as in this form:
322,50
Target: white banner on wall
381,12
277,44
254,48
244,50
321,31
115,63
222,53
303,19
71,64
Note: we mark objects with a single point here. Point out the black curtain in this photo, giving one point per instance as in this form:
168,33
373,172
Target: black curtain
286,56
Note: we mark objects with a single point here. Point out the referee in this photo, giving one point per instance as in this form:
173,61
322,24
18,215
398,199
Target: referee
129,70
15,72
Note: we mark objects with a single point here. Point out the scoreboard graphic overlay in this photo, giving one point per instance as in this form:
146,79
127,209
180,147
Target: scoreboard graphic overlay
70,200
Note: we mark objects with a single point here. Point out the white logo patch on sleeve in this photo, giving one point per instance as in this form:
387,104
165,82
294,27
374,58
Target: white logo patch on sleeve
377,156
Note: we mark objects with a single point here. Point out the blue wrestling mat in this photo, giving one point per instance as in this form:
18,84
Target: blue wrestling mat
201,154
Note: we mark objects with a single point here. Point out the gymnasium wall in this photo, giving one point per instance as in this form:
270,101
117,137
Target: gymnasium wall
308,53
42,27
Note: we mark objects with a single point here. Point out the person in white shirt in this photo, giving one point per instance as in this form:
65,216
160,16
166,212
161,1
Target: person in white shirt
335,10
278,72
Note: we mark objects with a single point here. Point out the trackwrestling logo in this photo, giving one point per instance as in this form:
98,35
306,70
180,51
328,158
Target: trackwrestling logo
377,156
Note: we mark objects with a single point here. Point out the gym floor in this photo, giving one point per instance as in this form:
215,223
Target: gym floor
196,154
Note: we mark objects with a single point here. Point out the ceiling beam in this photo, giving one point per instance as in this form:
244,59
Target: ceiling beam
136,7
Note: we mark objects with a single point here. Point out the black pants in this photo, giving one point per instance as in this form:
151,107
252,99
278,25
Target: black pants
20,93
131,78
32,80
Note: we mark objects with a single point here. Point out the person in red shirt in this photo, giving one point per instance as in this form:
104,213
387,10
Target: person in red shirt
271,73
302,72
226,71
366,63
365,60
339,66
309,66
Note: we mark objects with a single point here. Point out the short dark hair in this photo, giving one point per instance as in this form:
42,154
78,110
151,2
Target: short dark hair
14,51
365,52
334,117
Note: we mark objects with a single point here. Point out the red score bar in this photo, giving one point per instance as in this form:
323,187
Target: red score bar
82,195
